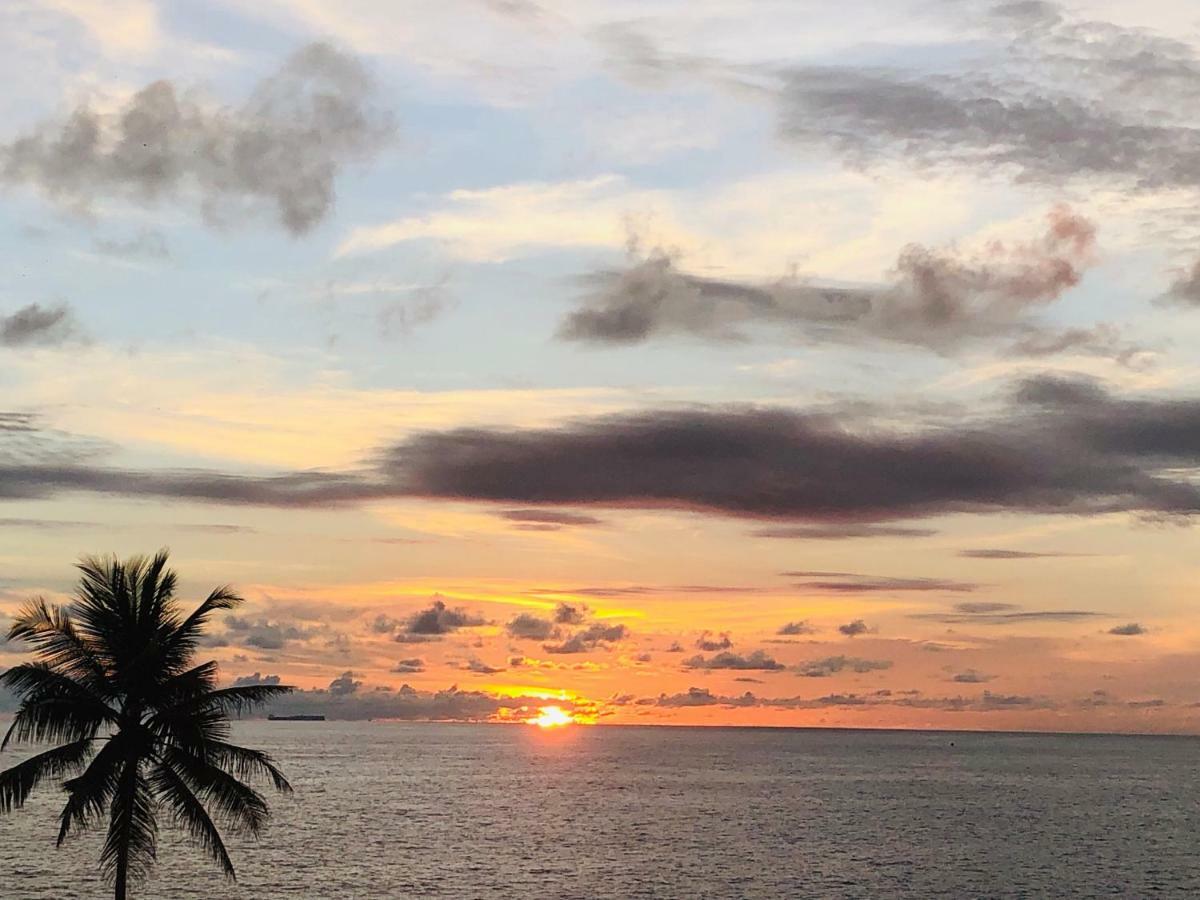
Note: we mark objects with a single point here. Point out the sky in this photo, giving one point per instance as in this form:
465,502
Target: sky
750,362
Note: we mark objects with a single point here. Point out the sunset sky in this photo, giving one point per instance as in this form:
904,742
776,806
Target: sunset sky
742,362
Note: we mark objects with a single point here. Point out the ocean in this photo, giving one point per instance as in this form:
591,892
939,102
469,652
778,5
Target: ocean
473,811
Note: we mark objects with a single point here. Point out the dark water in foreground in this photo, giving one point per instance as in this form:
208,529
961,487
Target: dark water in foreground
395,810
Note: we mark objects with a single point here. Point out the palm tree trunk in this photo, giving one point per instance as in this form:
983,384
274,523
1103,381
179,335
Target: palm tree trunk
122,877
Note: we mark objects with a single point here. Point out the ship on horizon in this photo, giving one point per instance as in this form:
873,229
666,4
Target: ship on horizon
297,718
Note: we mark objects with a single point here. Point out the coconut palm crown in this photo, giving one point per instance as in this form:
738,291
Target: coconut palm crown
140,729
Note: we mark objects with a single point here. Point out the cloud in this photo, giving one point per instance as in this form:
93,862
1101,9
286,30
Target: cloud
409,666
831,665
975,607
481,668
264,633
839,532
1060,446
939,299
851,583
998,614
987,553
548,519
970,676
793,628
410,704
1185,289
758,660
595,636
1133,628
567,614
987,702
527,626
256,678
1059,101
440,619
344,684
709,642
283,148
853,629
37,325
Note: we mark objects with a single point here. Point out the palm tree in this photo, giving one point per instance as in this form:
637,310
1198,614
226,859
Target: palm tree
139,728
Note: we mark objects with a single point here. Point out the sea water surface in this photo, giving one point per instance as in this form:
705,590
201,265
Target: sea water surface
411,810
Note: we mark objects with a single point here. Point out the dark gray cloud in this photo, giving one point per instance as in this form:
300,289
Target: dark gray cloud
284,147
935,299
989,553
970,676
1063,446
1059,100
409,666
344,684
264,633
548,519
479,667
758,660
571,614
440,619
1130,630
842,532
854,629
997,614
974,607
709,641
527,626
595,636
853,583
256,678
794,628
832,665
37,325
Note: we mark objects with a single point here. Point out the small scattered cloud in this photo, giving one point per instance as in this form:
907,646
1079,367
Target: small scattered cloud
832,665
344,684
709,641
479,667
37,326
527,626
970,676
854,629
256,679
595,636
409,666
568,614
758,660
840,532
796,628
441,619
1133,628
548,519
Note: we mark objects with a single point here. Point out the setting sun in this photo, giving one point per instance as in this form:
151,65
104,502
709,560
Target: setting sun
551,717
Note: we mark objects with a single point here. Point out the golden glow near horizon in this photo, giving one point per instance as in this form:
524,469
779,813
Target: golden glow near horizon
551,717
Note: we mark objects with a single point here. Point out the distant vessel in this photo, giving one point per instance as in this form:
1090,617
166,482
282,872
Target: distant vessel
295,718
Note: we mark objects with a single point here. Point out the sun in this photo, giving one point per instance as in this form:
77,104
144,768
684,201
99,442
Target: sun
551,717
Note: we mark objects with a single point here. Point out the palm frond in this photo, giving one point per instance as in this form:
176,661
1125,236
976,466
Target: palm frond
17,783
54,707
132,840
240,805
51,633
247,763
90,792
183,641
190,812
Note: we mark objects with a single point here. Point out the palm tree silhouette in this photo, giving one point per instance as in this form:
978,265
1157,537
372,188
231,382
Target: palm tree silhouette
139,727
